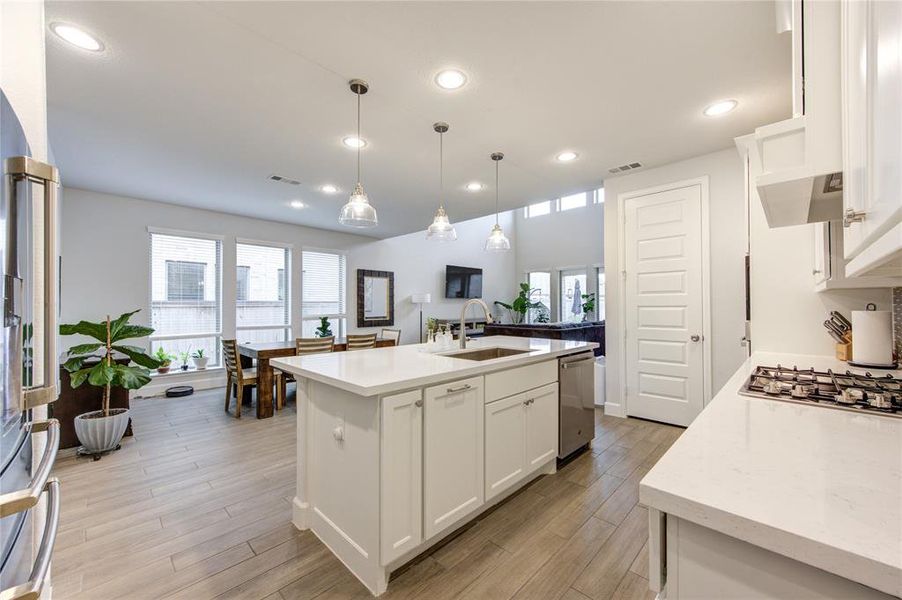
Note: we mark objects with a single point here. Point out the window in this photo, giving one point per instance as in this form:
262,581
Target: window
243,274
599,297
323,292
573,286
263,312
185,284
538,209
540,281
599,196
573,201
184,281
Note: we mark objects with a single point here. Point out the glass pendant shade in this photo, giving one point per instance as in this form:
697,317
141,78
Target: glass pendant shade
441,229
497,241
358,212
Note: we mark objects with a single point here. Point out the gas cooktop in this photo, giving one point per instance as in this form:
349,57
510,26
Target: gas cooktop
847,391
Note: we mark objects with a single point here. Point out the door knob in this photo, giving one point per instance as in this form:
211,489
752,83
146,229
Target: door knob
695,338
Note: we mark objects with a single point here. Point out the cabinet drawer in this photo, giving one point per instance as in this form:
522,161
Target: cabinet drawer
514,381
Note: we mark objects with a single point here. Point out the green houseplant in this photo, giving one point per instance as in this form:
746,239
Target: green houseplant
200,359
522,304
164,359
325,328
588,305
94,363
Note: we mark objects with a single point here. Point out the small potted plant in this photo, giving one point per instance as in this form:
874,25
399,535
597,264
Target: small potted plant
325,328
200,359
101,430
164,359
183,359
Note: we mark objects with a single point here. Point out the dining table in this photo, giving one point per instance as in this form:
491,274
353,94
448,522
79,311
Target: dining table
263,352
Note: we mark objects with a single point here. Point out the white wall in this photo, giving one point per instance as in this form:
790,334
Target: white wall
419,266
728,234
787,314
561,240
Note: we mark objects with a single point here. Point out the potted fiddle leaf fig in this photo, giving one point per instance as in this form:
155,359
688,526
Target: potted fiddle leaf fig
325,328
522,304
94,362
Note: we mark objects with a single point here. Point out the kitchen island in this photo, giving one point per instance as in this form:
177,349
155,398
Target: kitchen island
397,447
765,498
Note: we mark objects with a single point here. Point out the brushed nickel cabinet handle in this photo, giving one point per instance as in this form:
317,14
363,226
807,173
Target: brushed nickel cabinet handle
418,403
459,389
852,216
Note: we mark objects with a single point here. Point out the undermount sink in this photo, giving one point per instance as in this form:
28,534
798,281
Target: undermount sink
487,353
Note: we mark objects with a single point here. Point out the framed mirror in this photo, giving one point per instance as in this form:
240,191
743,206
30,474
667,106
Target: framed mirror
375,298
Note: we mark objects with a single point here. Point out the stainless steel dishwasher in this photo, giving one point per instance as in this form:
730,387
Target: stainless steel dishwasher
576,374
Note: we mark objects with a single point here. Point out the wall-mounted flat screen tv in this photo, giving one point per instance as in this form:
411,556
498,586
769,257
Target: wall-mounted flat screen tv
463,282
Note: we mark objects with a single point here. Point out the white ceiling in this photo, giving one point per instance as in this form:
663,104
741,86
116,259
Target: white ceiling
197,103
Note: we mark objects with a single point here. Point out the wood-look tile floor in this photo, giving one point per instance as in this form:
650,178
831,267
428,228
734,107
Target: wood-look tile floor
197,505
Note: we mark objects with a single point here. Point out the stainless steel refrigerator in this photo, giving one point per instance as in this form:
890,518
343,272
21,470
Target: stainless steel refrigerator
29,360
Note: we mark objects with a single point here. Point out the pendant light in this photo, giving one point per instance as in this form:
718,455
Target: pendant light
441,229
497,241
358,212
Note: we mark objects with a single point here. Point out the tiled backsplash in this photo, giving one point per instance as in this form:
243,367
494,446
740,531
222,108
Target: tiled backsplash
897,320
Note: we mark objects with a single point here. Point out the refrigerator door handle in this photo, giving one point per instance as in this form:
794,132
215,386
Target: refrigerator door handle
24,499
24,168
31,589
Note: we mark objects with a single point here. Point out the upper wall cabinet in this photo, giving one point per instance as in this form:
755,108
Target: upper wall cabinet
801,158
872,137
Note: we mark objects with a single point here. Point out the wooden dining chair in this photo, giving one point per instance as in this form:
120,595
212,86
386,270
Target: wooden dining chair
361,341
302,346
238,376
392,334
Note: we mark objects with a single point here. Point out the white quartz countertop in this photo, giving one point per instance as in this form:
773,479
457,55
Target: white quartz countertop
384,370
819,485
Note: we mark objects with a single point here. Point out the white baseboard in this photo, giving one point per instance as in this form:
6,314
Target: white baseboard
614,410
199,380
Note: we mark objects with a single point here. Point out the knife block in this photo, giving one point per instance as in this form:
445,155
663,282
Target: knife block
844,350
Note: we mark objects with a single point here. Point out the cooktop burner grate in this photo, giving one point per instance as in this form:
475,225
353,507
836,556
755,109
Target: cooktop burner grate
847,391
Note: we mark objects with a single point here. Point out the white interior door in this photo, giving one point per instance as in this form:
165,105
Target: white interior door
664,305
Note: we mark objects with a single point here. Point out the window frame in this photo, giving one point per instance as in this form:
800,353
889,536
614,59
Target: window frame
217,333
338,320
285,280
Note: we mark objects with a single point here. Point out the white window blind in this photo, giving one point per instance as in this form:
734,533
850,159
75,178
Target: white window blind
323,291
573,201
263,308
186,299
540,281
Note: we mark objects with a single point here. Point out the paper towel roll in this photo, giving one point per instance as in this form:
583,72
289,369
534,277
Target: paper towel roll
872,337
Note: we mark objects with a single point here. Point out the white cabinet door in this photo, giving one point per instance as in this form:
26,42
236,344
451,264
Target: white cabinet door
541,426
453,442
402,469
505,443
872,121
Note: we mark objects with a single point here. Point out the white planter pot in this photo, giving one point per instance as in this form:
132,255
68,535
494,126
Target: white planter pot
200,363
100,434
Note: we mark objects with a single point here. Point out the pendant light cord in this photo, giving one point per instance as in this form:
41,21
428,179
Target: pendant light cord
496,192
441,168
359,141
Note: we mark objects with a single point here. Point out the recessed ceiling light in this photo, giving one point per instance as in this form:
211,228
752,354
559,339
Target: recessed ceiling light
329,189
567,156
720,108
296,204
352,141
474,186
77,37
450,79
